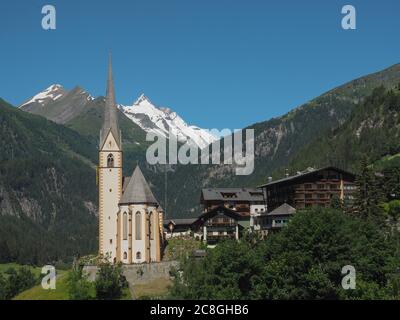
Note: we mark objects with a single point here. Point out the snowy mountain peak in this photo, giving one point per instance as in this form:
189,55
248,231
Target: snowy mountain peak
164,120
143,112
52,93
55,87
142,98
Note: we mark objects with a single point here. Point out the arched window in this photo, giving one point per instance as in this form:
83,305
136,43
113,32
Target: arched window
125,226
151,225
125,255
138,255
110,160
138,226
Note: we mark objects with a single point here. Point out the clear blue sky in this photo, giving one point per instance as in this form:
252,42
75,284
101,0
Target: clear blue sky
218,63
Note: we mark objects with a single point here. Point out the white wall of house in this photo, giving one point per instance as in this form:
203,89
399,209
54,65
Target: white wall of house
255,211
257,208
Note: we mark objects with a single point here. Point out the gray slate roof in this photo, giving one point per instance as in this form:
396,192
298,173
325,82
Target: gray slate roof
137,190
125,184
283,210
304,173
241,194
183,221
110,112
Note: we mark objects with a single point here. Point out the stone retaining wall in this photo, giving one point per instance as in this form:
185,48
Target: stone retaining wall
139,273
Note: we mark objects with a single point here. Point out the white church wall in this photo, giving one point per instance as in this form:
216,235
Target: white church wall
110,180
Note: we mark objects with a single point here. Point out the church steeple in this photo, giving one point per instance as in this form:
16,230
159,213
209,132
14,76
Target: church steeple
110,111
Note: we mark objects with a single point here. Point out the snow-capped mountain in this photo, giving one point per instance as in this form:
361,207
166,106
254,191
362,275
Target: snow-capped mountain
52,93
57,104
163,120
61,106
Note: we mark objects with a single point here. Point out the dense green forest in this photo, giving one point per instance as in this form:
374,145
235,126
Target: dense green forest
47,199
372,130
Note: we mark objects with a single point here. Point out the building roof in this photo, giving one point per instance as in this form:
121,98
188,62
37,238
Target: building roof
110,112
137,190
232,194
221,210
177,222
303,174
283,210
125,183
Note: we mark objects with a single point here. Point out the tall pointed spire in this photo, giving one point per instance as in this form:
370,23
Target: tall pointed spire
110,111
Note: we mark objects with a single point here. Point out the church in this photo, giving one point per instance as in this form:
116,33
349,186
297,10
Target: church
130,217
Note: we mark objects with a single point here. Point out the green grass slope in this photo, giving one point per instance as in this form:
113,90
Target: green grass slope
61,292
38,293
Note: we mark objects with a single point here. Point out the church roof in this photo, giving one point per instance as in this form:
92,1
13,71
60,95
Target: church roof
138,190
110,111
125,183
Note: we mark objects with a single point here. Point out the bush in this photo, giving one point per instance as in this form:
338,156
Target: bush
79,288
3,286
16,282
394,209
110,282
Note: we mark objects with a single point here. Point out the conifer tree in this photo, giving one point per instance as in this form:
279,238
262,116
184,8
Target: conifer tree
369,194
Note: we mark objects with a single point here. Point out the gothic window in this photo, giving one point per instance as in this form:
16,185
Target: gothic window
110,160
138,255
125,255
125,226
138,226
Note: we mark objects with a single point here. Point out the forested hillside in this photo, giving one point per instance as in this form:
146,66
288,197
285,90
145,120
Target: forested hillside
279,140
48,203
372,130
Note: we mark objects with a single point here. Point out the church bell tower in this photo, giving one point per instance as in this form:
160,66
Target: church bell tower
109,174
